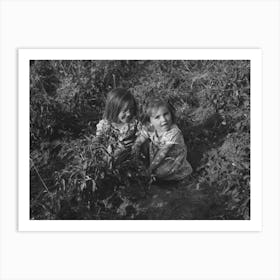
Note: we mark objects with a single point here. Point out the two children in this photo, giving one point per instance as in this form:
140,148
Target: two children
167,149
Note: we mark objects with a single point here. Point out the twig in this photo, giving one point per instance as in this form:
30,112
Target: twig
35,199
114,80
41,179
43,88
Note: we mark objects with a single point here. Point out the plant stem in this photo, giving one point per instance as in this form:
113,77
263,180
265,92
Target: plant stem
41,179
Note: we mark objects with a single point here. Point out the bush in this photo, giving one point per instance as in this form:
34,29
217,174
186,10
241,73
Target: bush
74,178
92,184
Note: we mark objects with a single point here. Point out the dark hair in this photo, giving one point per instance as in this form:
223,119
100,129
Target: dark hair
156,102
116,99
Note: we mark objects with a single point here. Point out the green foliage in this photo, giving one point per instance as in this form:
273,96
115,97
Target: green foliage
227,169
74,177
91,183
67,97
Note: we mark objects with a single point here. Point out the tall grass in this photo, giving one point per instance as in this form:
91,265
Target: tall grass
74,178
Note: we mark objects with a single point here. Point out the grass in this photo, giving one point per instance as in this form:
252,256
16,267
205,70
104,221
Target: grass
70,178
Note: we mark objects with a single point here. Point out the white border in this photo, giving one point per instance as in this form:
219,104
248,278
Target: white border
254,55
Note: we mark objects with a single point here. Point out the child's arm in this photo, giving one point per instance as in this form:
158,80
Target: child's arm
100,130
141,139
143,136
160,155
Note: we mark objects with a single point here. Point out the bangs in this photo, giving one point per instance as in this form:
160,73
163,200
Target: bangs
117,100
130,103
155,103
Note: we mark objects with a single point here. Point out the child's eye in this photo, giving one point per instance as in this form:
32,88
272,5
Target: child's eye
128,110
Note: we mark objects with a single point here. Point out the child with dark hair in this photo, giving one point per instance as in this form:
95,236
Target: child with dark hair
167,149
119,125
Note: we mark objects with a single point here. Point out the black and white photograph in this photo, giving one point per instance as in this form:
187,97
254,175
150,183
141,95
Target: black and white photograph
140,139
139,135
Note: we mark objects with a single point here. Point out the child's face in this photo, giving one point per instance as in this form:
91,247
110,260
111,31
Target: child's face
125,114
161,119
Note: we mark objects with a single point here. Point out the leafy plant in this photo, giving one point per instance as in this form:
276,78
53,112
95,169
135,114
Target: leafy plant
74,177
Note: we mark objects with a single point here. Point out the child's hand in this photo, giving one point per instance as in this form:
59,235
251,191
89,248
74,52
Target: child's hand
151,175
